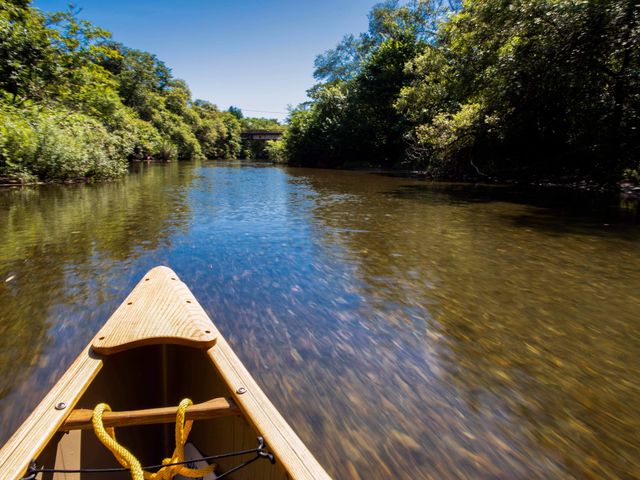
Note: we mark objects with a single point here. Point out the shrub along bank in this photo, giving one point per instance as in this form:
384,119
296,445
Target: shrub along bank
519,89
76,105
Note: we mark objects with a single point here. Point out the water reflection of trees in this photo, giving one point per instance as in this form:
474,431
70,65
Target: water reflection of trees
518,356
61,245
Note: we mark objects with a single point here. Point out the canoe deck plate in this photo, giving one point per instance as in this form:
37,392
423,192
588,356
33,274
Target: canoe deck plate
160,310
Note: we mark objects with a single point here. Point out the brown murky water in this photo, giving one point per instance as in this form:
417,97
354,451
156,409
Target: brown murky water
406,329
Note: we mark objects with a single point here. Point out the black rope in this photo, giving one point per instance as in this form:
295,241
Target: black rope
260,452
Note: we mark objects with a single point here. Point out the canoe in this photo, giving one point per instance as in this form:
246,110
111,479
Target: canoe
158,348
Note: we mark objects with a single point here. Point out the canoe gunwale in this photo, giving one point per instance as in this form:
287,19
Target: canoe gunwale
32,437
288,448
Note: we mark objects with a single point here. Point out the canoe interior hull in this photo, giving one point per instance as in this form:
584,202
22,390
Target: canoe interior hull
149,377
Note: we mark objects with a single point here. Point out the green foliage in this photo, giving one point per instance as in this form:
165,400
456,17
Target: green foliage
322,134
527,88
418,19
252,123
449,138
632,174
275,150
26,53
352,119
142,139
166,150
76,146
177,97
230,144
218,132
257,148
74,104
554,80
58,145
142,78
236,112
18,143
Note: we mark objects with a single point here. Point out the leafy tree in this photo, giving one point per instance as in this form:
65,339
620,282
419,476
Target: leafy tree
275,150
418,19
252,123
27,62
550,84
236,112
230,144
74,104
524,89
343,62
139,74
218,132
352,118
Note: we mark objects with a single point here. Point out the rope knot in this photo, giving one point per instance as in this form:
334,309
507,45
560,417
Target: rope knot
107,437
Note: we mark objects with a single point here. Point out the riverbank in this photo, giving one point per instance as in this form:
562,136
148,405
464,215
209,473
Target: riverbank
626,188
9,182
90,118
13,183
488,91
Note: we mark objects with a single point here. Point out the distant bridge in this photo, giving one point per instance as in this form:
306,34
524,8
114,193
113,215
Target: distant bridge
263,135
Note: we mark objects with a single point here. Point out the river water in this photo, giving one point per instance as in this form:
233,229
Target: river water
406,329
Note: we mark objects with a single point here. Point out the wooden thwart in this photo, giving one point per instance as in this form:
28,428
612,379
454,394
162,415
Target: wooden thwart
80,419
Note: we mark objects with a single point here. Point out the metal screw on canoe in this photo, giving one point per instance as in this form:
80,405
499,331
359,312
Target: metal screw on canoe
61,406
241,390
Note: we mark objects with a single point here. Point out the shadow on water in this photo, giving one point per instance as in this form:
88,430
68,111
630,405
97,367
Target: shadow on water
554,209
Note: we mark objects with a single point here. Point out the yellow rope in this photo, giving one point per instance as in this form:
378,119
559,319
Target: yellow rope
108,438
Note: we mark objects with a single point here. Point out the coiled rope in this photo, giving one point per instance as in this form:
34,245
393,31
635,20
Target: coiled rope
108,438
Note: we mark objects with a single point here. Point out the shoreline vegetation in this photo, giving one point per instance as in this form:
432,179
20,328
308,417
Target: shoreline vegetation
77,106
526,90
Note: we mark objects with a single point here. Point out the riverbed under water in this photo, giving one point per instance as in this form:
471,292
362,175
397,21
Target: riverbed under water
406,329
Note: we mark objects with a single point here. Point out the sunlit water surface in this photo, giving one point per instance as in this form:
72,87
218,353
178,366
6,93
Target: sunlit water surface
406,330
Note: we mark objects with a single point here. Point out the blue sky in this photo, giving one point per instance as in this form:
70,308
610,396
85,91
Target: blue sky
257,55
